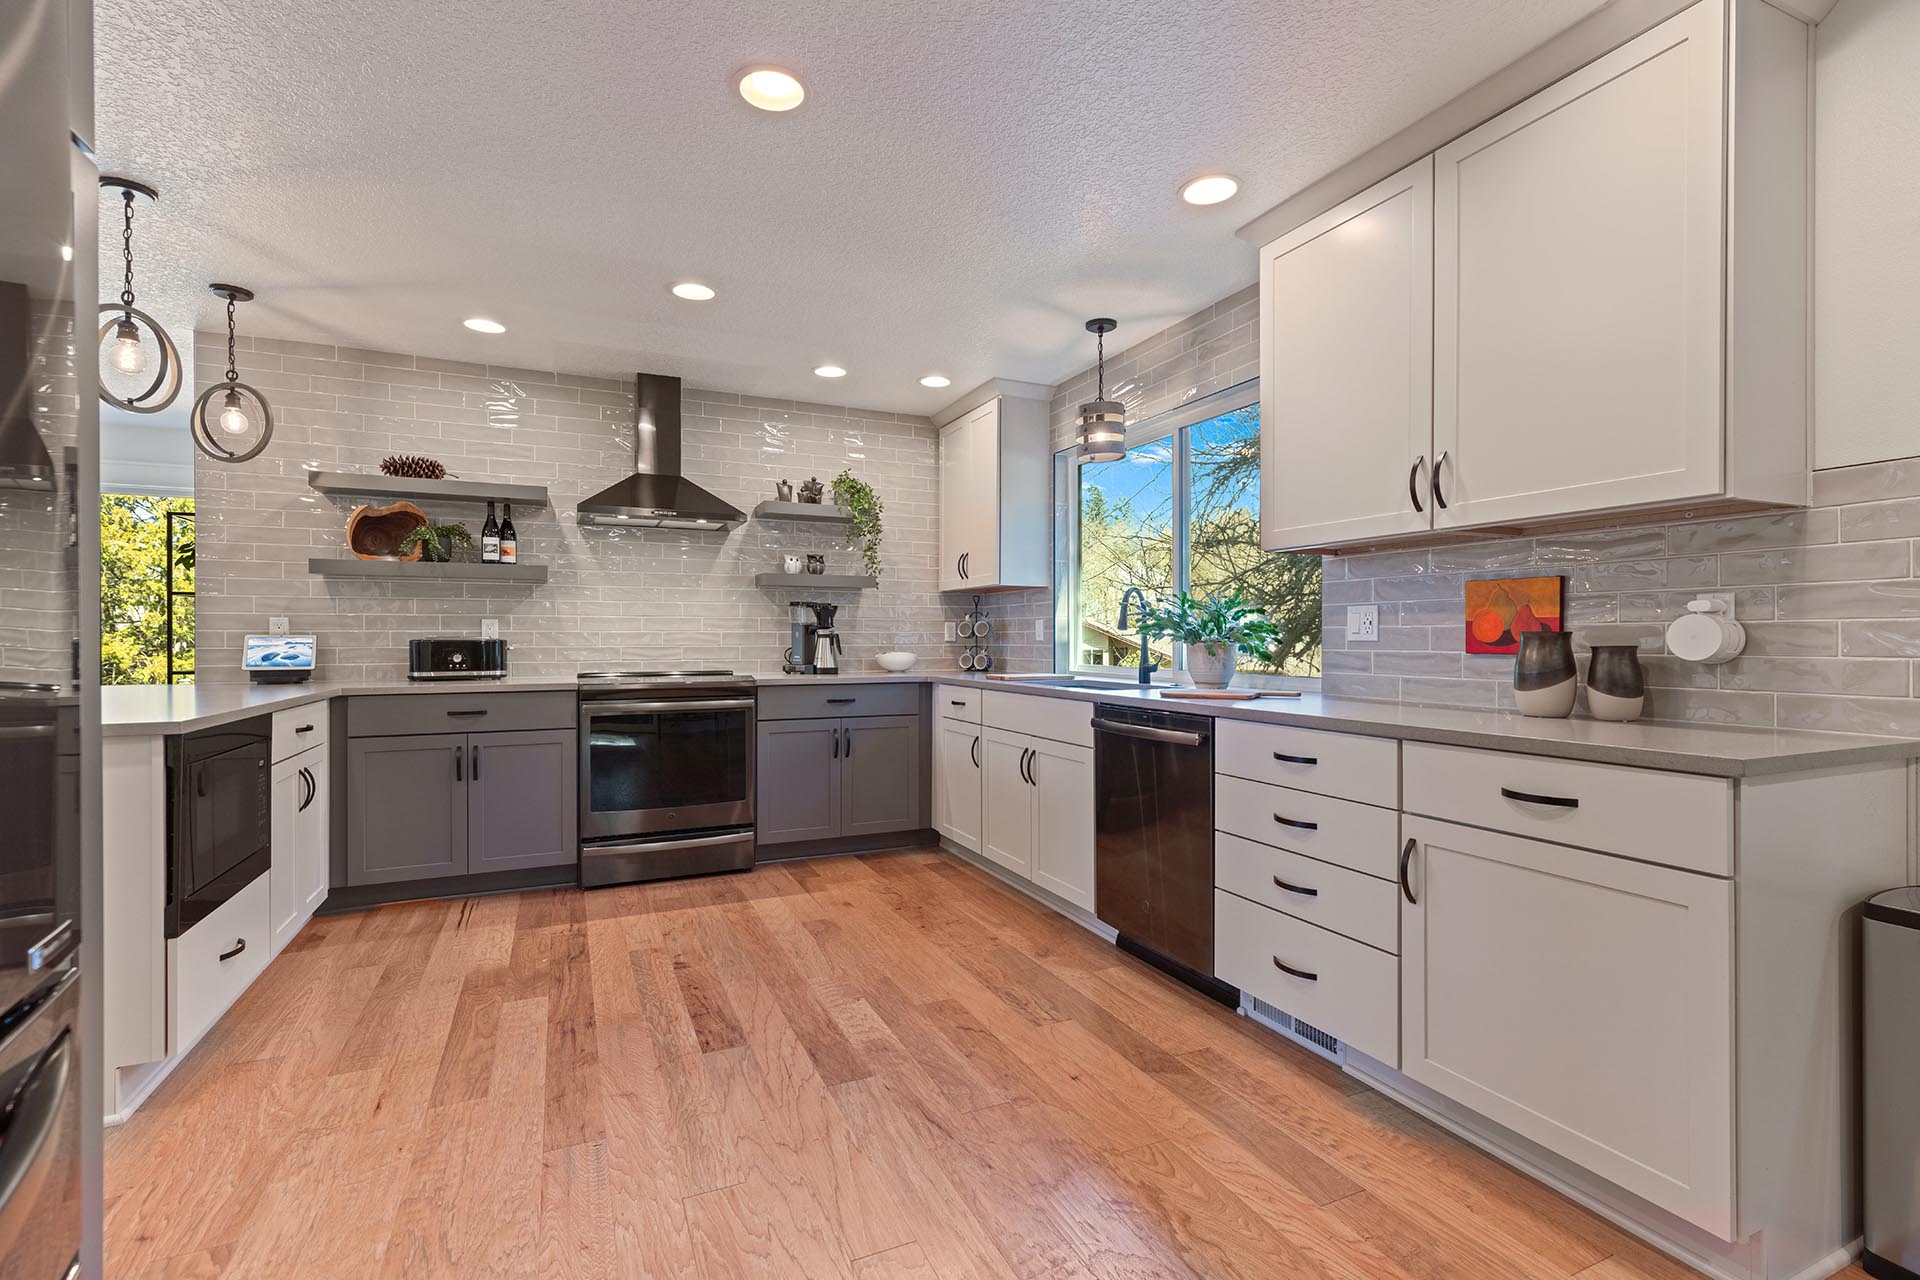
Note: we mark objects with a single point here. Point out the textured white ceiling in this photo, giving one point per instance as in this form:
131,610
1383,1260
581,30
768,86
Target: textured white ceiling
965,184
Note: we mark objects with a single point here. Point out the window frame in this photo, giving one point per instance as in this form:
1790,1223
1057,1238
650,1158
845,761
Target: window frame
1162,426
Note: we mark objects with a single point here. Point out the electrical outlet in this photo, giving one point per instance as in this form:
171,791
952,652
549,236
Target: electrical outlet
489,628
1039,628
278,626
1363,623
953,632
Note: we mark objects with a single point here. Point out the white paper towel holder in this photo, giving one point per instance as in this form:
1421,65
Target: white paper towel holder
1706,632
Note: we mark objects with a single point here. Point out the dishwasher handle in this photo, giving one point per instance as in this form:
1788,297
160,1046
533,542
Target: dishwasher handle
1179,737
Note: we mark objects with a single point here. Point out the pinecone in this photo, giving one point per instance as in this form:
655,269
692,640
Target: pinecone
412,466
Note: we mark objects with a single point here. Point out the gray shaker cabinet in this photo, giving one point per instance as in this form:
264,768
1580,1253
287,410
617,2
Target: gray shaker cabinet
798,781
407,819
523,809
879,775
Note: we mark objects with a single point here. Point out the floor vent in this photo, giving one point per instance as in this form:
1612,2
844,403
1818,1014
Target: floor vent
1304,1034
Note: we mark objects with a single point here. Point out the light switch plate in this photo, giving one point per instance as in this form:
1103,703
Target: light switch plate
278,626
953,632
1039,628
1363,623
489,628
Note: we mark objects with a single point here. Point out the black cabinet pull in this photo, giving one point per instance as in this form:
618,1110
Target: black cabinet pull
1439,495
956,702
1406,885
459,764
476,764
1306,760
478,711
1296,823
976,751
836,743
838,702
1300,889
1528,797
239,945
847,750
305,728
1413,487
306,791
1292,972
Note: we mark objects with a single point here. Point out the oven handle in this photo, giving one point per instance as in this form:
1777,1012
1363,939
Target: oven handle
686,704
657,846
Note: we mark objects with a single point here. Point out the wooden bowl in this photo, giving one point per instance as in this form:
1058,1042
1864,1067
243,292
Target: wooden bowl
374,533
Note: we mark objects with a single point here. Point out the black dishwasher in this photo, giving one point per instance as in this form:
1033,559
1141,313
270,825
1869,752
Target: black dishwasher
1153,839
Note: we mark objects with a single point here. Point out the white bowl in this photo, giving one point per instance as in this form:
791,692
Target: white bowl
898,660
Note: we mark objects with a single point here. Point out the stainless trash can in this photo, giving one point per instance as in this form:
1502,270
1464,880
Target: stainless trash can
1890,1058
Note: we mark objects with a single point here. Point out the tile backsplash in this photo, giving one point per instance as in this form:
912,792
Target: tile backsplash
653,596
1829,597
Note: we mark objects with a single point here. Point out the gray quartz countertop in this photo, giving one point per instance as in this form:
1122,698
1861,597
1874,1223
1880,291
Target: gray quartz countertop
1722,751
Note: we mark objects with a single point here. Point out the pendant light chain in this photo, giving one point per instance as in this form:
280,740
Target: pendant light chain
1100,342
126,246
233,370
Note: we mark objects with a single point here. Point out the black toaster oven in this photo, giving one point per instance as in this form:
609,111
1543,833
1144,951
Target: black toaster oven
454,658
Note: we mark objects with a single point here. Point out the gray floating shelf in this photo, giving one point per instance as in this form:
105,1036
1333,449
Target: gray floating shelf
361,484
425,570
809,512
803,582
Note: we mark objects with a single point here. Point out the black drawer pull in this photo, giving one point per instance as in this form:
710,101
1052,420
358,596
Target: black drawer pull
239,945
839,702
956,702
1296,823
1292,972
480,711
1300,889
1527,797
305,728
1308,760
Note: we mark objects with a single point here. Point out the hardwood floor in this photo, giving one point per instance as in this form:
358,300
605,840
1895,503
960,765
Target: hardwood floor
889,1066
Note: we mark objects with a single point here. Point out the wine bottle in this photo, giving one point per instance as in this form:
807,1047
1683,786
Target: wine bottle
509,540
490,539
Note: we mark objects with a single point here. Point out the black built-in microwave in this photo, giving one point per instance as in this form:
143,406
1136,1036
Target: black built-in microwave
219,817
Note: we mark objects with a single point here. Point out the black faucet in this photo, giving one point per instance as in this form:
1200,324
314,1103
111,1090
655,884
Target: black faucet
1146,668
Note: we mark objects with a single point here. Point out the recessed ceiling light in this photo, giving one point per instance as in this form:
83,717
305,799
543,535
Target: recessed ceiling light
692,291
1211,189
831,371
935,380
771,89
480,324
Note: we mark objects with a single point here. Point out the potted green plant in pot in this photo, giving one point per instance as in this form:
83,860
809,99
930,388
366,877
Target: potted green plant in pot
437,542
1214,630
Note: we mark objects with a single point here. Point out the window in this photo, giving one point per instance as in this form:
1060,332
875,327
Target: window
1181,512
146,589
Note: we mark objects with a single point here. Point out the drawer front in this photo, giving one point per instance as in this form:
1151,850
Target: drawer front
200,985
1670,819
1361,907
1345,988
398,714
1333,764
954,702
817,702
1359,837
1061,719
297,730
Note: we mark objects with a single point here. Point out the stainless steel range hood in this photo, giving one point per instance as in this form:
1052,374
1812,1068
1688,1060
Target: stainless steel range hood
24,460
656,495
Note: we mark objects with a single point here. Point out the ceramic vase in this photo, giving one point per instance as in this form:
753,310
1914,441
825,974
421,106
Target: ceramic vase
1210,670
1544,675
1616,686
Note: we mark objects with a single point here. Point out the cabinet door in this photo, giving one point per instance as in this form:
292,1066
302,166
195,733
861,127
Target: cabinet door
1346,369
880,775
523,807
798,780
284,914
406,808
1063,820
1578,288
1007,802
981,501
314,831
957,782
955,497
1582,1000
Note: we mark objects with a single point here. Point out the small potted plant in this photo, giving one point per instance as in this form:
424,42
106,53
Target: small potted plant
1214,630
437,542
858,497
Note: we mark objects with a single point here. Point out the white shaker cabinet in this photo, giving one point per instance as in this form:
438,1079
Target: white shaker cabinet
1582,1000
297,874
995,509
1062,778
957,778
1346,369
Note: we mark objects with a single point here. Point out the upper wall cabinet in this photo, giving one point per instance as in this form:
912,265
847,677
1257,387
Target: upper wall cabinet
1618,306
994,507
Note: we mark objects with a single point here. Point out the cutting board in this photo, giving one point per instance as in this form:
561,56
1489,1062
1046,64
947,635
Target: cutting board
1229,695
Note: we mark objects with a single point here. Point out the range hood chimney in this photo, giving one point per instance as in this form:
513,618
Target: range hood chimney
24,460
656,495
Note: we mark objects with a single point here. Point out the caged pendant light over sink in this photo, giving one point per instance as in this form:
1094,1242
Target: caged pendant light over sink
1102,422
231,421
139,364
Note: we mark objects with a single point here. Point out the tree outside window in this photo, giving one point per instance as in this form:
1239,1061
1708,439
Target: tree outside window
146,589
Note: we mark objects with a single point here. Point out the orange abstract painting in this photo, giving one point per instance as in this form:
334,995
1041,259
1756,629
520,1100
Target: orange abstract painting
1500,610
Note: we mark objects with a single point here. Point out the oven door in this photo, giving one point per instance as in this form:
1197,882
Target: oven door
666,764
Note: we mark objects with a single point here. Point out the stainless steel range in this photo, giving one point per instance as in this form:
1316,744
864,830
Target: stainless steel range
666,774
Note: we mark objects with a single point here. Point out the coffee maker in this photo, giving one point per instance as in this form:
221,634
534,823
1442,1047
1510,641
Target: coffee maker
813,647
826,641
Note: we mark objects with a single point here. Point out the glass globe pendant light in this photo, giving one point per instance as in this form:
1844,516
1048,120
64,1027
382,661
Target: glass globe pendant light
232,422
1102,422
132,343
